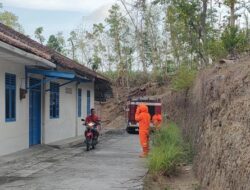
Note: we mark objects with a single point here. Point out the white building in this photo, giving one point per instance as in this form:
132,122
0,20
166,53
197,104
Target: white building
43,95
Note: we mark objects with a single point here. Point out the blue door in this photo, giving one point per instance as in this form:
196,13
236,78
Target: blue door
35,112
88,102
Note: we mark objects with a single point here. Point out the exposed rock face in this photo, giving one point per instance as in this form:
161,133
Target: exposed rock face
215,117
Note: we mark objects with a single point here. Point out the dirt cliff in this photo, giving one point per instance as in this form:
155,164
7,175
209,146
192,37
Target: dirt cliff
215,117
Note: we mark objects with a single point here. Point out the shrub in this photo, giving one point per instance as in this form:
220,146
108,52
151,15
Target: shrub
234,40
167,150
216,49
183,79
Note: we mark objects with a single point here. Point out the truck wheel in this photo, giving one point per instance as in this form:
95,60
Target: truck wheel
131,131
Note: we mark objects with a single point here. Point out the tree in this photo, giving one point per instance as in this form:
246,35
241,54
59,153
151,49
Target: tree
38,35
232,5
99,49
10,19
73,43
117,32
54,43
61,41
234,40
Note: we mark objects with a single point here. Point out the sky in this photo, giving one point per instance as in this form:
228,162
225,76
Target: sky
57,15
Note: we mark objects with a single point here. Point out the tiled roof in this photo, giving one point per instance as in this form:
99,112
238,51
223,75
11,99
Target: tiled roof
23,42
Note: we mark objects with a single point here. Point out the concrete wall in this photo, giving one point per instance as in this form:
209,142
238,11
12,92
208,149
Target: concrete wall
14,136
85,87
65,126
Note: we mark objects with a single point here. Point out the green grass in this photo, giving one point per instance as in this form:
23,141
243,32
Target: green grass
167,150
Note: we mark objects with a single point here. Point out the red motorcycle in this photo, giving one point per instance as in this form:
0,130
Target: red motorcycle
92,134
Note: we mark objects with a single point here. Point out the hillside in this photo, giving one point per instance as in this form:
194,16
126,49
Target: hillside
214,116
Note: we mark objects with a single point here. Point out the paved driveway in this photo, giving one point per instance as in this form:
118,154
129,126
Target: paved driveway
113,165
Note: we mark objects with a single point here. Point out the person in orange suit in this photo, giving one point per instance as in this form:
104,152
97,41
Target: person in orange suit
143,118
157,119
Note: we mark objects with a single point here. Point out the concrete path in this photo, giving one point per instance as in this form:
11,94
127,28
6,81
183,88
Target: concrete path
113,165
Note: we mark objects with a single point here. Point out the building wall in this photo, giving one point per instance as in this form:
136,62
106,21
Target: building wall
14,136
65,126
85,87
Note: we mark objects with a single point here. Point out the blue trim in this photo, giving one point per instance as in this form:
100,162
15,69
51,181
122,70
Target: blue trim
54,100
10,97
88,102
61,85
52,73
44,81
79,95
10,120
81,79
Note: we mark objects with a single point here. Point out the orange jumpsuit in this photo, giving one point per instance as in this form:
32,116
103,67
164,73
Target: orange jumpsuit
157,119
143,117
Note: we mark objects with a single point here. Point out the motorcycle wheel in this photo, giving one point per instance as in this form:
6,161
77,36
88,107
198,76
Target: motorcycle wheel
88,143
88,147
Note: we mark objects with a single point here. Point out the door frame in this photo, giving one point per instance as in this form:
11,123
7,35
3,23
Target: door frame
37,89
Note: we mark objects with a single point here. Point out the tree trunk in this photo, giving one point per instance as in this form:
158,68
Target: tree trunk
203,31
73,49
232,13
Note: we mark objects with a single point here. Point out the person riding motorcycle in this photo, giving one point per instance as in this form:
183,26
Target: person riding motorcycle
93,118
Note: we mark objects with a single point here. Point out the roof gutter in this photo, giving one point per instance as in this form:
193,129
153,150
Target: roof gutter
26,54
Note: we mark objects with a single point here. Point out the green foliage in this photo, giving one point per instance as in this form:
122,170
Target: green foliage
111,75
161,76
38,34
53,43
96,62
167,188
234,40
216,49
183,79
167,151
11,20
73,44
56,42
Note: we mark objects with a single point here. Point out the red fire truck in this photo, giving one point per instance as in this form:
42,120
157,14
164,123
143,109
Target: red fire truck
153,104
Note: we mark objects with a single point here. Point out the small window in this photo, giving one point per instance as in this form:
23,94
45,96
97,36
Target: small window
54,100
10,97
88,102
79,102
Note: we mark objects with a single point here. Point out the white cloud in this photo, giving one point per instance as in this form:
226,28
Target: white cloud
99,14
64,5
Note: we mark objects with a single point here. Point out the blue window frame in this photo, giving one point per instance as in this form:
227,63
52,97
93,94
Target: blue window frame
88,102
54,100
79,102
10,97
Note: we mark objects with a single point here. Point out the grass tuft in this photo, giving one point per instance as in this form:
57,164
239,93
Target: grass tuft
167,151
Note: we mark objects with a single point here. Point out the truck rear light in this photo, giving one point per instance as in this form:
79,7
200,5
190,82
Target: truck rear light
158,109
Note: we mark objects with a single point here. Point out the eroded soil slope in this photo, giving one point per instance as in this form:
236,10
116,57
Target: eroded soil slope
215,117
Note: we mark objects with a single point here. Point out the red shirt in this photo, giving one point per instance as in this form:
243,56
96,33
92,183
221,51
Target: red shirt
92,118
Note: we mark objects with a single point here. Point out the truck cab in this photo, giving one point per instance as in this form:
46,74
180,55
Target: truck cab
153,106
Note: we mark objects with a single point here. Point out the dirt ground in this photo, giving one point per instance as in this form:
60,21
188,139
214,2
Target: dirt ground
184,180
